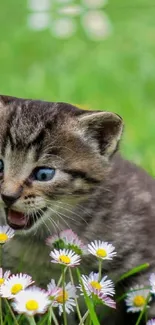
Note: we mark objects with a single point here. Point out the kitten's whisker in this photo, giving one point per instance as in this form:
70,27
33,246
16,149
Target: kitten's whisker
71,211
53,222
60,215
78,206
42,218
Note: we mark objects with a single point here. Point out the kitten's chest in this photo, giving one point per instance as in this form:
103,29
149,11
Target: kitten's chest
30,257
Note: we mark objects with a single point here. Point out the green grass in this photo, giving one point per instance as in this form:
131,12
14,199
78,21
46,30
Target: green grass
117,74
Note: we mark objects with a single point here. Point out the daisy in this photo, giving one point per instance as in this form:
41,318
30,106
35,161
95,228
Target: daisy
6,233
91,282
65,257
67,239
136,300
102,250
31,301
99,297
53,290
4,276
67,297
152,282
13,285
151,322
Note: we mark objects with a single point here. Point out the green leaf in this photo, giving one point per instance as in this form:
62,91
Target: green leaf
88,301
135,270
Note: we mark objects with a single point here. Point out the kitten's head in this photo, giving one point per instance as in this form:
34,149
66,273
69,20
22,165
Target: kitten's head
51,153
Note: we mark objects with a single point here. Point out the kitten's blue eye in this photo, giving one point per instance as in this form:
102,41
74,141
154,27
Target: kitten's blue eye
43,174
1,166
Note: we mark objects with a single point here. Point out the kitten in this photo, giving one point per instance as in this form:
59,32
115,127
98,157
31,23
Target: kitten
59,168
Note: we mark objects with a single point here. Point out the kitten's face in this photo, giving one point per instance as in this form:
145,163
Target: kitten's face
50,154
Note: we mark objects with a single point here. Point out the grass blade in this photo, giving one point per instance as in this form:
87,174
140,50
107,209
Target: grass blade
88,301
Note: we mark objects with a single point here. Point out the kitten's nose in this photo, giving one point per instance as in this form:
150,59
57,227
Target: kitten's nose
9,199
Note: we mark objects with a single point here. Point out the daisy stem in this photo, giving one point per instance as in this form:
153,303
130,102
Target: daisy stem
53,316
31,320
77,305
60,279
84,317
1,315
1,255
63,284
100,270
11,312
143,310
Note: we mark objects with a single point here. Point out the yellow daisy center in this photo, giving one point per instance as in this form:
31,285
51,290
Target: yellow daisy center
32,305
16,288
101,252
3,237
64,259
96,285
139,301
62,297
2,281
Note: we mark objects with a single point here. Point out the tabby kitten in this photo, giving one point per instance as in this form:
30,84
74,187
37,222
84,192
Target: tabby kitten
59,169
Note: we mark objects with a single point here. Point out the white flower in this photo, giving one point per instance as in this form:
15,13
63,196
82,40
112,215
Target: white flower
93,20
67,239
68,297
151,322
102,250
31,301
53,290
152,282
4,276
6,233
14,285
65,257
136,299
100,297
91,282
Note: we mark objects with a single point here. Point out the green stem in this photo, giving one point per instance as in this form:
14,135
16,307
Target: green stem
84,317
61,277
54,317
1,251
143,310
63,284
1,315
77,305
31,320
11,312
100,270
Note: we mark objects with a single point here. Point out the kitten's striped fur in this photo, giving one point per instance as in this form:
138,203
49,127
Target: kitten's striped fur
94,191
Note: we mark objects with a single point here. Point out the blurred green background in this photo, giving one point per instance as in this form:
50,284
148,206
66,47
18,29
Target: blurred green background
96,54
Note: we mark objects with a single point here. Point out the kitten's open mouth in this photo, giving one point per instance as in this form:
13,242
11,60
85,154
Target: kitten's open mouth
19,220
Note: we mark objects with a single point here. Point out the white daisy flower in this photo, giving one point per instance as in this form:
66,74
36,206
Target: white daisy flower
136,299
13,285
91,282
65,257
100,297
53,290
67,239
6,233
4,276
31,301
151,322
102,250
67,297
152,282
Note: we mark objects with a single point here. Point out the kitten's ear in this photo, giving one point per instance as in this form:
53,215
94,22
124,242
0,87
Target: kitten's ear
5,100
104,129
